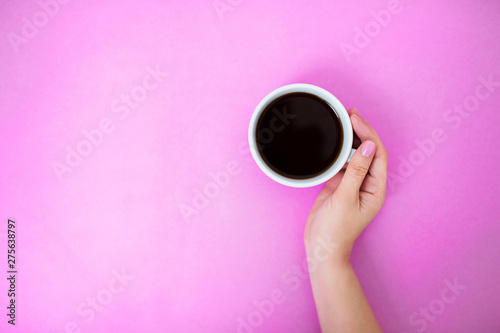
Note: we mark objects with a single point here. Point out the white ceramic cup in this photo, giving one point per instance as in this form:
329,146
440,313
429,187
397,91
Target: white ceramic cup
345,153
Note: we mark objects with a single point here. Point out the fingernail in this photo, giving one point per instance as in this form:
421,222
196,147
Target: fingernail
357,117
356,112
367,149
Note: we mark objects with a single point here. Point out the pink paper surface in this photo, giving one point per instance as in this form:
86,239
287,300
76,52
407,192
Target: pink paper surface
106,245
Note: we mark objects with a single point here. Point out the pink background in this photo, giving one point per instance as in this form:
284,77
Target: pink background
120,209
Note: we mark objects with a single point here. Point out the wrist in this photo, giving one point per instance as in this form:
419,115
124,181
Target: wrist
325,250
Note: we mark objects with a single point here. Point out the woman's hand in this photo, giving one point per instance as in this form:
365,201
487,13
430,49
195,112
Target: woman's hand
351,199
345,206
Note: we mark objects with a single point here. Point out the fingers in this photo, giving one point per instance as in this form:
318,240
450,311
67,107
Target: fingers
352,111
333,183
327,190
356,141
365,132
358,168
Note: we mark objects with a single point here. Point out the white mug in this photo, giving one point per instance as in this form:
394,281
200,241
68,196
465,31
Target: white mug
345,153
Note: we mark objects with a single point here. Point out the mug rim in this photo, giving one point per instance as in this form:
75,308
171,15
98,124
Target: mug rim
336,106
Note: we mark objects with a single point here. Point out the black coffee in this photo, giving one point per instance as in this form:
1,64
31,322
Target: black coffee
299,135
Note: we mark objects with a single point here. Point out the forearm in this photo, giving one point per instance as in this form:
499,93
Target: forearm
345,206
340,301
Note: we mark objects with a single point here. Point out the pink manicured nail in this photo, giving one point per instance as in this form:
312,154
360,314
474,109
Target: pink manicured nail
367,149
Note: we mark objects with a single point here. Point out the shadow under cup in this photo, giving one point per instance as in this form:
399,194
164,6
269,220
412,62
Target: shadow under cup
299,135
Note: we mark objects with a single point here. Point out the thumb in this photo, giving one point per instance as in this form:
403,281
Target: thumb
357,168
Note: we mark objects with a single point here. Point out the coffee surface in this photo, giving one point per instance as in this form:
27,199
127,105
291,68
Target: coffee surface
299,135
